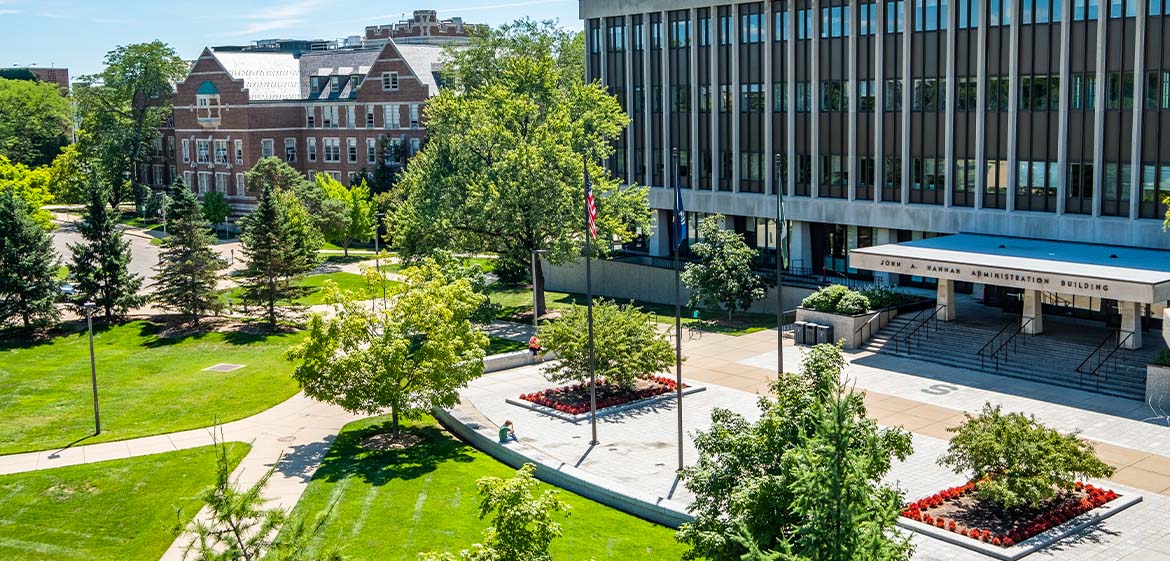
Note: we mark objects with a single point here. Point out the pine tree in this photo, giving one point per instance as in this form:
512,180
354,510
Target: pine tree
280,243
100,259
188,268
28,266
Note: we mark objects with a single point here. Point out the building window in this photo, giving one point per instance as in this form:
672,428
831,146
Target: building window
393,152
239,185
239,152
312,147
290,150
187,154
371,151
369,116
389,81
680,34
171,175
414,146
350,116
332,150
393,116
705,31
351,144
751,28
414,115
334,84
202,151
724,30
207,107
204,181
329,117
896,16
779,97
803,103
1119,91
865,96
835,22
355,82
751,98
310,117
267,149
314,85
781,25
221,182
187,179
221,152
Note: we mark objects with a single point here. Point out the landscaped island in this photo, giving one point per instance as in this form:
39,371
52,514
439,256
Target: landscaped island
574,399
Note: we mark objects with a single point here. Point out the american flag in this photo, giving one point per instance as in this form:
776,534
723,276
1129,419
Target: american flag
590,206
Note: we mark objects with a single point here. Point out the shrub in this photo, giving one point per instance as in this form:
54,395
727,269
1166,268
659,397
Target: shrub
825,299
853,303
1163,358
1016,461
885,297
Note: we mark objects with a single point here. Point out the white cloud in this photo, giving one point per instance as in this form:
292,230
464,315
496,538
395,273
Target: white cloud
279,16
6,12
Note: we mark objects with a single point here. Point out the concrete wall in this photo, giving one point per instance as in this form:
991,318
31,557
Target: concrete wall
626,281
845,328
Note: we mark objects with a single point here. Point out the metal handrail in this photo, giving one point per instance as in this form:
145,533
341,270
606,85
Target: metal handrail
1011,339
918,324
867,324
898,334
1121,341
983,351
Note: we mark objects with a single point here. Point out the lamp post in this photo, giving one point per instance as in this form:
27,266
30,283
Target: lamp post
97,420
779,186
378,253
535,295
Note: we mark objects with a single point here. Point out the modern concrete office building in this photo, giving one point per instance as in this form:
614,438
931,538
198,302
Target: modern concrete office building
895,121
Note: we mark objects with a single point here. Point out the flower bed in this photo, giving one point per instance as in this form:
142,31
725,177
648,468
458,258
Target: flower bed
574,399
959,511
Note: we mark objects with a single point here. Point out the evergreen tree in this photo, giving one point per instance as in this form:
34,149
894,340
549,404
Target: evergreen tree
188,268
100,259
28,265
280,244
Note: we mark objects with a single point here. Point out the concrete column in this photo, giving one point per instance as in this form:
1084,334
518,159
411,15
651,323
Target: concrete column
1066,15
801,245
1013,107
907,104
883,236
851,161
769,99
647,99
946,295
949,131
735,157
790,87
981,111
693,156
1131,322
628,53
667,161
713,68
1034,311
1139,106
659,242
879,102
814,94
1099,112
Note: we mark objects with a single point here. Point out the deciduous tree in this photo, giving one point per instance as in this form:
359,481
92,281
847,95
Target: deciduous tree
188,269
755,480
28,266
1016,461
100,259
349,210
627,345
123,107
216,208
502,169
522,521
34,121
412,356
30,184
69,175
723,276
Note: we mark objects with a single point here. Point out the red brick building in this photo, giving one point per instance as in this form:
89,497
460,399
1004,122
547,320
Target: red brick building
342,112
424,27
59,76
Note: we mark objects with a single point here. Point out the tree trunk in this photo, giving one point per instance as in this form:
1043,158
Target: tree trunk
729,310
538,284
394,431
346,248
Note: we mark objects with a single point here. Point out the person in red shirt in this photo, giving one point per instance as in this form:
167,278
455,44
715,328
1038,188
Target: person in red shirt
534,345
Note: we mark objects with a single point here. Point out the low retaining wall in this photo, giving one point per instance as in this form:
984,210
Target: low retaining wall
515,359
845,328
556,472
1158,386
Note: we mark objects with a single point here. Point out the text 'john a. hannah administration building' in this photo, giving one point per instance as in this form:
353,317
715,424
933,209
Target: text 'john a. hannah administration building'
1039,130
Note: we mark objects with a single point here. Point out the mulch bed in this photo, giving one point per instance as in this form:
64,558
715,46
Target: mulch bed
387,441
958,510
574,399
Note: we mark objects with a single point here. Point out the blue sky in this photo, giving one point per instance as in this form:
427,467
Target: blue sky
77,33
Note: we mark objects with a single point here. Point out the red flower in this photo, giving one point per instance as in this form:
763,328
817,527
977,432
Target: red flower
996,541
951,525
1008,542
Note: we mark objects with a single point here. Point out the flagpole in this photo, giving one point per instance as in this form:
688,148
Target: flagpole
678,232
779,184
589,304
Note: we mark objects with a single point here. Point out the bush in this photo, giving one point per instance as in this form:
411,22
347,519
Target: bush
885,297
1163,358
853,303
1016,461
825,299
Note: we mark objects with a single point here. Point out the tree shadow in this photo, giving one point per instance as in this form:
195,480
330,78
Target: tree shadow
16,338
300,459
347,457
238,335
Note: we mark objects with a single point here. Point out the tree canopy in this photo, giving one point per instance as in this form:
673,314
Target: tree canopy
723,277
411,356
188,268
627,345
348,212
216,208
502,170
30,184
100,259
123,107
28,266
802,481
35,120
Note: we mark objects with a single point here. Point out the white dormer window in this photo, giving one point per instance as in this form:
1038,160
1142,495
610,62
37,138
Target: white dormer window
335,84
390,81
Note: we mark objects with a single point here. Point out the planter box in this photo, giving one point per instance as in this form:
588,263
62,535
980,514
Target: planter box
849,328
1158,386
688,390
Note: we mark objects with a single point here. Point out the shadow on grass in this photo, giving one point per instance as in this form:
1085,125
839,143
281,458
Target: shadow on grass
15,338
240,335
348,458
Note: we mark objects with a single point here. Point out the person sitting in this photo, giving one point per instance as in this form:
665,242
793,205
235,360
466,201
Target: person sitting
534,345
507,432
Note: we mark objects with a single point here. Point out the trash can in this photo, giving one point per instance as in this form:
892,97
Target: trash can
798,332
810,333
824,334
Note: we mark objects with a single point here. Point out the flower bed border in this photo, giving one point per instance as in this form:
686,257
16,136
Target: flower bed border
688,389
1029,545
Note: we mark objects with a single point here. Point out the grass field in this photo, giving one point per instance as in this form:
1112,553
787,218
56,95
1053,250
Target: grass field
119,510
391,506
147,385
500,345
346,281
517,300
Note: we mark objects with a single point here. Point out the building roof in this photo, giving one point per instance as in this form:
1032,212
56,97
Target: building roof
1008,261
267,76
334,63
425,60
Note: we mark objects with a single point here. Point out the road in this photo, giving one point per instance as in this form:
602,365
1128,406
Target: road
143,256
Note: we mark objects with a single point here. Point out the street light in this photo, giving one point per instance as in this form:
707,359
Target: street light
535,295
779,185
97,420
378,254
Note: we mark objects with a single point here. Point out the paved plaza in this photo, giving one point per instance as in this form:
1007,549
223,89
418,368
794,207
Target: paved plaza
638,449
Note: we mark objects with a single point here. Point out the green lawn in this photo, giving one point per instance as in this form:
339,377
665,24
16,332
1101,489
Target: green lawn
315,295
146,385
516,300
500,346
391,506
119,510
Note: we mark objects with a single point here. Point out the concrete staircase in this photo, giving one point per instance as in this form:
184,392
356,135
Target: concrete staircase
1040,358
